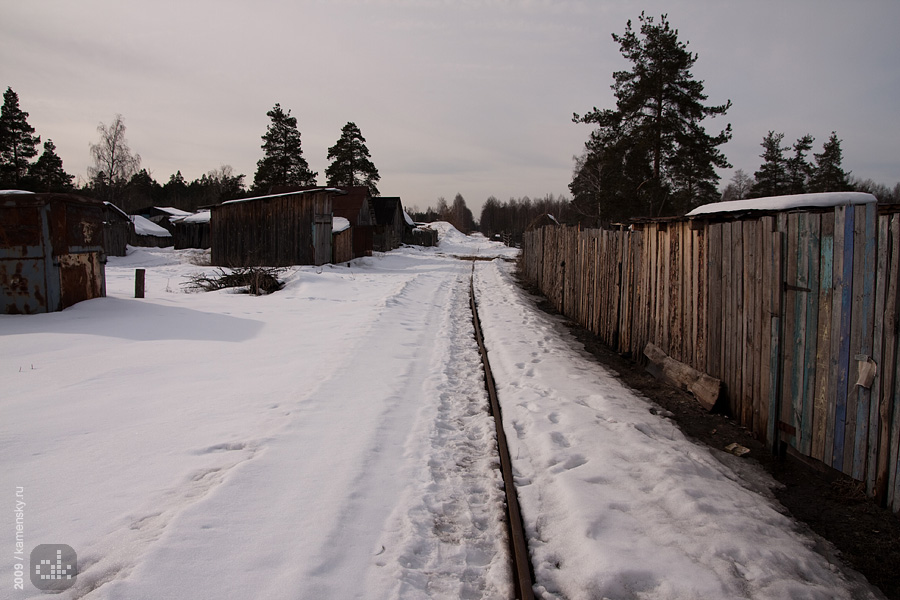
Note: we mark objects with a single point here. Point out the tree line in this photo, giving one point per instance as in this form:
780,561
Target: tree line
116,174
787,170
457,214
651,155
499,220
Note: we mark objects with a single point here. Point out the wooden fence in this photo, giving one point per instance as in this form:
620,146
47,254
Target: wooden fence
785,309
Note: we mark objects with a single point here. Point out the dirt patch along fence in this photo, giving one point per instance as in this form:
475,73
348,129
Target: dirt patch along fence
790,310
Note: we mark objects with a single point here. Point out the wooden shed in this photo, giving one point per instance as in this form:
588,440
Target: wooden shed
341,241
192,231
148,234
51,251
355,205
164,216
118,230
390,224
276,231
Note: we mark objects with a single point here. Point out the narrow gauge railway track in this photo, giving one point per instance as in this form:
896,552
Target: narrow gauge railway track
523,572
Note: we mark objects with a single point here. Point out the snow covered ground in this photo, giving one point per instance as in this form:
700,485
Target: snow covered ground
332,441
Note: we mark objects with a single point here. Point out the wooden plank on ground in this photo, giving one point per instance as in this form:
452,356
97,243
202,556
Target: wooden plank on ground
704,388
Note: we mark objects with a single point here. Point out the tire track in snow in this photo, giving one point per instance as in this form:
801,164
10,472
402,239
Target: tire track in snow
451,541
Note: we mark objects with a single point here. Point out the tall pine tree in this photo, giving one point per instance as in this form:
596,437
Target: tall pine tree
351,163
652,149
17,144
772,177
798,168
828,175
47,172
283,162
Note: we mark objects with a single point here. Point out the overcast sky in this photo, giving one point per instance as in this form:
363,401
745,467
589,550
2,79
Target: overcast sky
468,96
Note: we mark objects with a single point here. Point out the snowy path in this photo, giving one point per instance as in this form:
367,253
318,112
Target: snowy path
616,502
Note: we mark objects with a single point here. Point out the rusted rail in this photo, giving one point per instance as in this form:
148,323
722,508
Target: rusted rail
523,572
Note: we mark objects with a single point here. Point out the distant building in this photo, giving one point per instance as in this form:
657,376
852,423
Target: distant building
192,231
118,230
148,234
390,223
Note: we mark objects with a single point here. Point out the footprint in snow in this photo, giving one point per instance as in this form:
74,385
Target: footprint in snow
560,439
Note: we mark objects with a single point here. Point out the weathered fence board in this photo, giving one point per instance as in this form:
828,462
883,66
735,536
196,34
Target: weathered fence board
777,307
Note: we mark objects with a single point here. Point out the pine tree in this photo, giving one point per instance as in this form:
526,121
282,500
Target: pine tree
772,177
17,144
48,174
798,168
351,163
283,162
652,148
828,176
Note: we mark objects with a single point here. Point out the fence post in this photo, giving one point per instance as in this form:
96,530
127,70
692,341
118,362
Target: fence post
139,283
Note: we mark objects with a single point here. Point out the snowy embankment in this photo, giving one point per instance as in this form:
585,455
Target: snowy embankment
617,503
328,441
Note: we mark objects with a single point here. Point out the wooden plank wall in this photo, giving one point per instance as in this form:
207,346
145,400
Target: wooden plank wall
783,309
275,231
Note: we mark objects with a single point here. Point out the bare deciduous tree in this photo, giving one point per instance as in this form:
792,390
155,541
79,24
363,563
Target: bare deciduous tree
114,163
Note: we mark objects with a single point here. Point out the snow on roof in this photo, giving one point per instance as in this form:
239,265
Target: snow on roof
11,192
116,209
175,212
339,224
821,200
201,217
409,220
144,226
311,191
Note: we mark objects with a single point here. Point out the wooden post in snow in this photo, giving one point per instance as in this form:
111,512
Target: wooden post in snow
139,283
